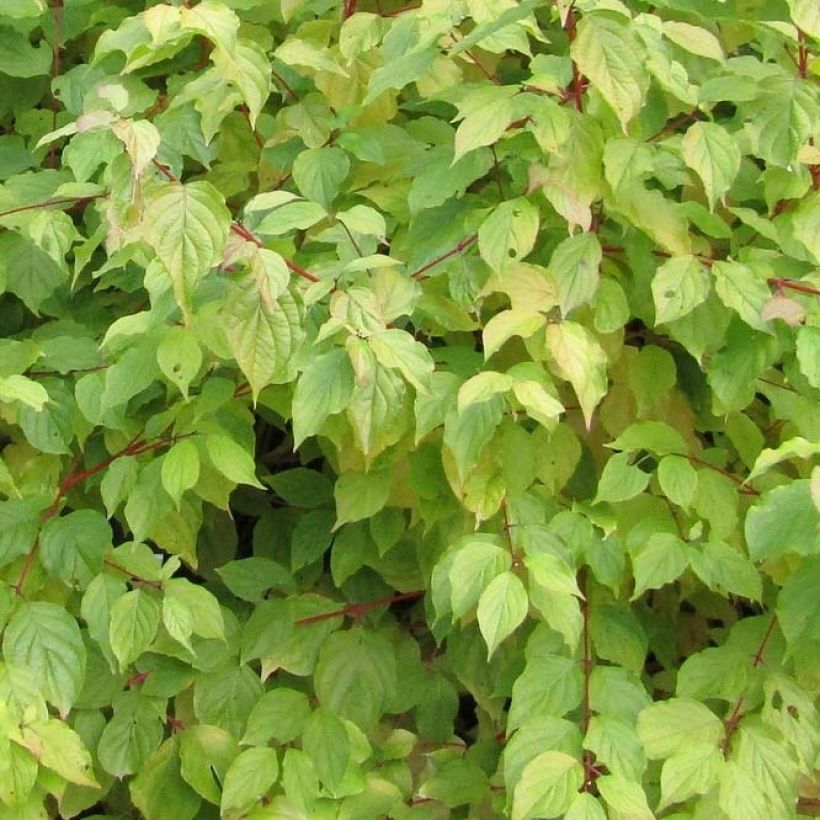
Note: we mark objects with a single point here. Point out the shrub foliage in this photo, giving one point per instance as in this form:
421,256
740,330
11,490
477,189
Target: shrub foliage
409,411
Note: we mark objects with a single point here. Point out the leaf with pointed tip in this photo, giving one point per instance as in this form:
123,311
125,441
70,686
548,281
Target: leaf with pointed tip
711,152
580,359
608,53
501,609
187,226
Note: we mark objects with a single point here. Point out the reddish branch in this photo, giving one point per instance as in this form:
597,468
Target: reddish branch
75,477
241,230
577,95
349,8
357,611
733,721
802,54
462,246
591,773
791,285
66,200
743,488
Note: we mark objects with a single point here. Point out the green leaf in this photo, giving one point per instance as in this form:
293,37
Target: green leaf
455,783
279,714
655,436
694,39
501,609
579,359
360,495
374,408
620,480
72,546
205,753
159,790
212,20
539,404
356,675
806,16
585,807
207,621
179,357
473,567
547,786
24,390
248,68
669,727
678,480
680,284
232,460
18,773
397,349
21,59
709,150
722,567
326,742
615,744
29,272
618,636
23,8
59,748
186,225
608,53
808,354
325,387
487,114
508,234
180,469
624,797
134,622
508,323
552,573
742,290
481,387
399,72
574,266
740,795
663,559
131,736
798,610
248,778
264,338
784,521
319,173
797,447
44,639
19,525
290,216
782,118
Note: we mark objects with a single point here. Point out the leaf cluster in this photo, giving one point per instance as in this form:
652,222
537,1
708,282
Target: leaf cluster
409,411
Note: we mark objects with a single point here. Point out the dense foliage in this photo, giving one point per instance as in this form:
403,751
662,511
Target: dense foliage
409,411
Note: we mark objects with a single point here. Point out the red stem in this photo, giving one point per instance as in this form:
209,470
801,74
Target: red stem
742,488
69,200
75,477
733,721
591,773
241,230
462,246
577,80
802,54
798,286
357,610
